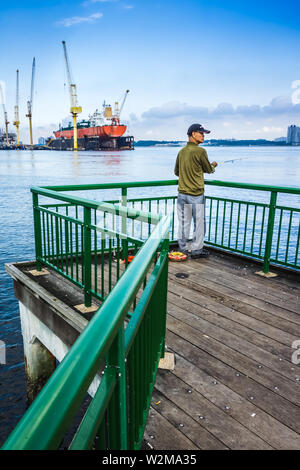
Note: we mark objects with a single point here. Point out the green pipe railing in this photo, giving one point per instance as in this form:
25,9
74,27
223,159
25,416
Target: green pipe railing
85,241
72,239
264,231
131,345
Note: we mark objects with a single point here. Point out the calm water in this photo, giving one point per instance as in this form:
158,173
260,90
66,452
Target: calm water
21,169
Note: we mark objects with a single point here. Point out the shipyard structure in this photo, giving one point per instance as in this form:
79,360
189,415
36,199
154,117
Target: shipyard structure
101,131
7,139
293,135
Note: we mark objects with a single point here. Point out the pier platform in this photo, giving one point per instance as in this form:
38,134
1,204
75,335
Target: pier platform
235,384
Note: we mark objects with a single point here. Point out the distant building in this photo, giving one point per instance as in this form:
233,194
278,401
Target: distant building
293,135
42,141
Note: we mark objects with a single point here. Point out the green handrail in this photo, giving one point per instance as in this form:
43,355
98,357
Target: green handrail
46,421
174,182
265,231
254,238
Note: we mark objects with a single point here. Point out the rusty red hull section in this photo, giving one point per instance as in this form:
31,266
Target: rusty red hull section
104,132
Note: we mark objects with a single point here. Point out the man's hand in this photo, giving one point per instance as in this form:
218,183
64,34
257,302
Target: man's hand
214,164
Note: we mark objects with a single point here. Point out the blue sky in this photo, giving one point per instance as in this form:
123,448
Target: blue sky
228,65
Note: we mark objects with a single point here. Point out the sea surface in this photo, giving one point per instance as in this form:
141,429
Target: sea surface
19,170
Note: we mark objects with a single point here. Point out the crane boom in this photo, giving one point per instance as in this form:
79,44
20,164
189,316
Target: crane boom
117,110
29,102
75,109
5,113
32,81
17,121
123,102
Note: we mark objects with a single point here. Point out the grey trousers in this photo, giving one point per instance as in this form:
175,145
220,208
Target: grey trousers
191,208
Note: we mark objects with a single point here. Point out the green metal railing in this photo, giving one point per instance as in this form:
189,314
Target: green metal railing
125,339
266,231
86,242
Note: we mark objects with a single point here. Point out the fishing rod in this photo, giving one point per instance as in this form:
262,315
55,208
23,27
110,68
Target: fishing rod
233,160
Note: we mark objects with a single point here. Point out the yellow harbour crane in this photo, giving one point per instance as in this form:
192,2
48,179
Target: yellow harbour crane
17,120
75,109
117,110
5,113
29,102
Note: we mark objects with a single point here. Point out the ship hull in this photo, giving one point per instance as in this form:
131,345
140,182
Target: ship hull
93,143
103,132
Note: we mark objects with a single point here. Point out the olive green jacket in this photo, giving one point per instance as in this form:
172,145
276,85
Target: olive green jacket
191,163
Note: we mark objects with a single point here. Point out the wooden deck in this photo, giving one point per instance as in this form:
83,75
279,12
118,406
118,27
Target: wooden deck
234,385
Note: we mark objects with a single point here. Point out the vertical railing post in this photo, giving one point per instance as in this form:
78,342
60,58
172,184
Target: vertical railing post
124,227
163,287
269,236
87,258
117,412
37,231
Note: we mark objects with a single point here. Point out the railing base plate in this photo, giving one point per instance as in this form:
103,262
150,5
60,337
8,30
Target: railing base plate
269,274
83,309
168,362
34,272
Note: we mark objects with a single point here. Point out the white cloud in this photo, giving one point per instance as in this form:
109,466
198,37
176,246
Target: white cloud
67,22
170,120
279,106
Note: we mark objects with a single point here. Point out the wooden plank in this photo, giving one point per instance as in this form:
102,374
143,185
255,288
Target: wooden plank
190,427
277,406
217,422
291,301
269,378
281,366
282,331
233,298
162,435
234,290
245,412
226,322
285,279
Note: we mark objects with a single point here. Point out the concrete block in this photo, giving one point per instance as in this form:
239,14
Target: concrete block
34,272
83,309
269,274
168,362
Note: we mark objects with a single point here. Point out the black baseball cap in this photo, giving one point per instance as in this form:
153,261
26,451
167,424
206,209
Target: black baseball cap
197,128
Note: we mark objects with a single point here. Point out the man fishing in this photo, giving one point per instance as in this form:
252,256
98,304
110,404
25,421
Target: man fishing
191,163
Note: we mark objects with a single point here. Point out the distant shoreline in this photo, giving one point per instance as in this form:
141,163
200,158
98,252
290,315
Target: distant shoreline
213,143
